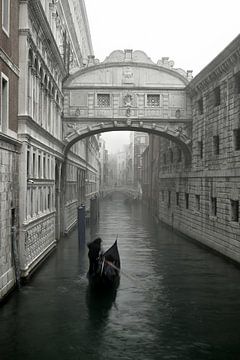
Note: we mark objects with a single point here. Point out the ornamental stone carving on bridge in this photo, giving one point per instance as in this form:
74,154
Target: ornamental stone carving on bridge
128,75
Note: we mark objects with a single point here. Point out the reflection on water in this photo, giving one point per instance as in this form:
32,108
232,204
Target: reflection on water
99,304
175,299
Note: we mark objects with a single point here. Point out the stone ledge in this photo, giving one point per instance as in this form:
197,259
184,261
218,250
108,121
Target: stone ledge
25,272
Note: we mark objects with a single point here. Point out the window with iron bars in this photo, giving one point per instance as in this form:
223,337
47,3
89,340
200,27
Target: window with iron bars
103,100
153,100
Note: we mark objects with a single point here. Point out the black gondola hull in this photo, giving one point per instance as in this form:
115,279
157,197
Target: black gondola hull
107,274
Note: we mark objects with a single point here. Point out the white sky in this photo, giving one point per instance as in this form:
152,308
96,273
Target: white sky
189,32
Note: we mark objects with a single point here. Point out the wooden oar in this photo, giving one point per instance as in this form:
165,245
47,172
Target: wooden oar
121,271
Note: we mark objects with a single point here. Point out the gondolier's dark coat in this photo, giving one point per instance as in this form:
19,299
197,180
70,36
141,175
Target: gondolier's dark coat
93,254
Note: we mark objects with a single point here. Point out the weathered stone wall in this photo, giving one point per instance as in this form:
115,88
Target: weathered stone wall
218,231
8,215
202,199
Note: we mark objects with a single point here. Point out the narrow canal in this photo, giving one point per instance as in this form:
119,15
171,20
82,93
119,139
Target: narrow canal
178,301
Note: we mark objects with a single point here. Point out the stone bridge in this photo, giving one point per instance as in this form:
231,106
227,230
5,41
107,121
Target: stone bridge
131,192
128,91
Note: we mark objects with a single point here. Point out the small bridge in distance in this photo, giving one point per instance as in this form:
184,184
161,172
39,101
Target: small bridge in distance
131,192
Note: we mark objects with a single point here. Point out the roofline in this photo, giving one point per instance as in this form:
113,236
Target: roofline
87,27
216,62
125,64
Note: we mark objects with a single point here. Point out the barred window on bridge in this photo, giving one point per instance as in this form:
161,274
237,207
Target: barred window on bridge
103,100
153,100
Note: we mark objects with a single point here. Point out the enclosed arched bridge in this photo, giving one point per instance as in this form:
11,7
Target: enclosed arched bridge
128,91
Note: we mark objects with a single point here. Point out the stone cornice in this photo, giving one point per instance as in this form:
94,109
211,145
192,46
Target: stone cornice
122,87
10,139
36,7
9,62
86,26
218,67
31,123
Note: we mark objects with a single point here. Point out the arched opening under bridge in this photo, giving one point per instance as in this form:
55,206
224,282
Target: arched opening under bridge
127,92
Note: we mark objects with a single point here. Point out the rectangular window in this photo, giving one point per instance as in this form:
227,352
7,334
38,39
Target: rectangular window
213,206
187,200
179,155
44,166
200,148
153,100
200,106
234,210
103,100
4,103
49,199
39,166
197,198
34,165
162,195
169,198
217,96
216,145
177,198
164,158
171,155
236,139
237,83
6,16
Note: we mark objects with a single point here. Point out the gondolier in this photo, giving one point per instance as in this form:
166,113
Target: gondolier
104,268
94,253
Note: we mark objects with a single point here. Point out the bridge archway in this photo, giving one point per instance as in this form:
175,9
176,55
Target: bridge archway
174,135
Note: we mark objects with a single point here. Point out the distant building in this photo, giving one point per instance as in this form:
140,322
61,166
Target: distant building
140,142
104,170
112,170
121,167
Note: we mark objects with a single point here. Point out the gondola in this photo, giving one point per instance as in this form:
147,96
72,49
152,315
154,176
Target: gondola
104,273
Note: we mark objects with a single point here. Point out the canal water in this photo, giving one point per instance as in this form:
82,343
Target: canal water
176,300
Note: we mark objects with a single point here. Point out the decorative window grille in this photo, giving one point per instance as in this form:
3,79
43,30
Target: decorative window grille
103,100
153,100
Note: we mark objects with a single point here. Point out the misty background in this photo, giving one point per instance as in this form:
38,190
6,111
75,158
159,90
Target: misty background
190,32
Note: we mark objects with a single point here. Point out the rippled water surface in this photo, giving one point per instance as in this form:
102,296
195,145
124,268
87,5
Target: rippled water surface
175,299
